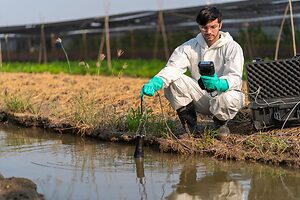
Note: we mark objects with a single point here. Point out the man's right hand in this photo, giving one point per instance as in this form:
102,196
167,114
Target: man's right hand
151,87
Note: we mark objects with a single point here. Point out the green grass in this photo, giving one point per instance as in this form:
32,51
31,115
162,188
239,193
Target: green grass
17,104
120,67
134,68
147,122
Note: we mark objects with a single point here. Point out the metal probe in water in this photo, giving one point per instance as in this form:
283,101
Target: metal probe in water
139,149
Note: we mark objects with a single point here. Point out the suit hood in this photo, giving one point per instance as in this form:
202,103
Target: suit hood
225,38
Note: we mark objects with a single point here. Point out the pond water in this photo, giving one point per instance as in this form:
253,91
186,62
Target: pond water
70,167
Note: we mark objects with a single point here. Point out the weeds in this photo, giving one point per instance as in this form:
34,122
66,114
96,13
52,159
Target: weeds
85,112
153,124
60,44
134,118
99,63
208,138
157,127
120,74
273,144
120,52
17,104
85,65
266,143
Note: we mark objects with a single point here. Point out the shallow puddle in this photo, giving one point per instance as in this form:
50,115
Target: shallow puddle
69,167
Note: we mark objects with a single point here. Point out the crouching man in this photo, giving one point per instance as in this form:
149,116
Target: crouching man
184,92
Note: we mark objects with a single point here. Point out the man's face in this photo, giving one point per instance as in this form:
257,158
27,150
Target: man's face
210,31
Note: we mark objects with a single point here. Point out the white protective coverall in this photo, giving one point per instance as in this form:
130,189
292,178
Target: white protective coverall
181,89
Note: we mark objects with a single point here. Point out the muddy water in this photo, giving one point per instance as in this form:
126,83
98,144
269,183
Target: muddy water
68,167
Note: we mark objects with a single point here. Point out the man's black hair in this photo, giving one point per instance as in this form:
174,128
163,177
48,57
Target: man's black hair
208,14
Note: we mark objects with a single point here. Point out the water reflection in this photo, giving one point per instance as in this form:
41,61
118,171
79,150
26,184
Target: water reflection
198,182
235,180
140,174
68,167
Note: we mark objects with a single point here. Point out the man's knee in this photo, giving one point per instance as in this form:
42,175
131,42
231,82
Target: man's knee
181,92
232,100
226,105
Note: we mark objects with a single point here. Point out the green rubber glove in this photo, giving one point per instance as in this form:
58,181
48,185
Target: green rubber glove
152,86
215,83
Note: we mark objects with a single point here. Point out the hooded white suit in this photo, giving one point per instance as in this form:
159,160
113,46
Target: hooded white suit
181,89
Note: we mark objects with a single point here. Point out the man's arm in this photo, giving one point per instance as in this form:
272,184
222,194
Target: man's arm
175,67
234,63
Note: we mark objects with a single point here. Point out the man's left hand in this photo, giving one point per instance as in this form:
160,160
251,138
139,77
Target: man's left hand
209,82
214,83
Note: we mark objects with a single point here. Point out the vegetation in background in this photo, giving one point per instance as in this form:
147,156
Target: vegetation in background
121,67
135,44
134,68
255,41
258,42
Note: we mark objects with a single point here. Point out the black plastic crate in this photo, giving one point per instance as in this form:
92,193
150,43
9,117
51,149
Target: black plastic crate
274,92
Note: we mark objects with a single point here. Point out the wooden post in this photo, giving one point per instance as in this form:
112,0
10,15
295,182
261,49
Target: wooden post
107,42
292,26
44,44
40,52
84,45
280,31
132,43
164,34
53,41
7,49
43,50
246,25
156,39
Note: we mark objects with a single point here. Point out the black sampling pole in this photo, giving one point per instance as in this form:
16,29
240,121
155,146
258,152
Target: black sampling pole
139,148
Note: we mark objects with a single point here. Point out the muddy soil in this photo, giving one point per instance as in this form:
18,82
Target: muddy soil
98,105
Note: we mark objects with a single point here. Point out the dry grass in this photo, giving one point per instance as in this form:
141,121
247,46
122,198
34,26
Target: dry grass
85,100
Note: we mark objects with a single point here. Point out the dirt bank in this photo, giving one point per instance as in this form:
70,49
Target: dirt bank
18,188
107,108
